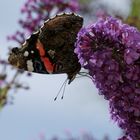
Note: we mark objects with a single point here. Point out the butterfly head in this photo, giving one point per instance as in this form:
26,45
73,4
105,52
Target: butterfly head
21,58
16,58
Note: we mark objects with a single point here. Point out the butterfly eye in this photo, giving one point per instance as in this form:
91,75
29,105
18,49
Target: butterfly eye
15,50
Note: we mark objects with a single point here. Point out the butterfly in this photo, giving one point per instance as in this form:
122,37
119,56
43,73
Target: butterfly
50,50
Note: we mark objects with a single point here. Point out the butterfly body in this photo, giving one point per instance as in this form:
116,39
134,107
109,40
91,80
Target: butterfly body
51,49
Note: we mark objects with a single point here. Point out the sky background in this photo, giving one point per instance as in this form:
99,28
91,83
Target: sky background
34,112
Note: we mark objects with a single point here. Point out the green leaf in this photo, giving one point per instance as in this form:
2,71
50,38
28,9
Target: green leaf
134,17
135,8
3,96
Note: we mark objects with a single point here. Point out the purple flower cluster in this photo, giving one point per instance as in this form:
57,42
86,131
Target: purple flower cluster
36,11
110,50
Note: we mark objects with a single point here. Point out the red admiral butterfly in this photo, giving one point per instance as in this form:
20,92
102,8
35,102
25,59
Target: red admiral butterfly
51,49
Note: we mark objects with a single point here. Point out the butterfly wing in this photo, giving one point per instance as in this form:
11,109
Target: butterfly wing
51,49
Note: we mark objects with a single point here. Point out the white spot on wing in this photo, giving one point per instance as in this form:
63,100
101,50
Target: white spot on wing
75,14
32,51
26,53
53,17
30,65
42,26
30,69
68,13
36,32
60,14
46,20
29,62
24,43
28,37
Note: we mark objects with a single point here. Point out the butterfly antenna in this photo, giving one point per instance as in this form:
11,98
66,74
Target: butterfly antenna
64,90
63,85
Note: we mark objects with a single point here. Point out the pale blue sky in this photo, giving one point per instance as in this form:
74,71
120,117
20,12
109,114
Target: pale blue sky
34,111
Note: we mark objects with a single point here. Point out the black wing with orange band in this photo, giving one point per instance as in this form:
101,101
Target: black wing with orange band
51,49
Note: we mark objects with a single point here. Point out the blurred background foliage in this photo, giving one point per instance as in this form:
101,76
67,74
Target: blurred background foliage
134,16
135,8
